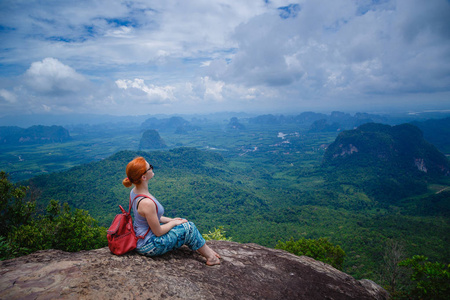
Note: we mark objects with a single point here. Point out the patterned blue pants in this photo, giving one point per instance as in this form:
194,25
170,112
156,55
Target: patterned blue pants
184,234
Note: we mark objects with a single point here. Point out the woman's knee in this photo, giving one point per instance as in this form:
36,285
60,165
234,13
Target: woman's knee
191,224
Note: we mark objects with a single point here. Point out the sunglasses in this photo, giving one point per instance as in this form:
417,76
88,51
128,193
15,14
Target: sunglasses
149,168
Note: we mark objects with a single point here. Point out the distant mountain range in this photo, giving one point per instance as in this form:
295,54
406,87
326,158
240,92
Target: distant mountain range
174,124
38,134
336,121
67,119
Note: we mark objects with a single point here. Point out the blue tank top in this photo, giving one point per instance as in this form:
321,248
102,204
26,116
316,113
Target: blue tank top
140,223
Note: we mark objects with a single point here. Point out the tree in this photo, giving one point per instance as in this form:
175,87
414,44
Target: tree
392,274
432,280
320,249
60,228
14,210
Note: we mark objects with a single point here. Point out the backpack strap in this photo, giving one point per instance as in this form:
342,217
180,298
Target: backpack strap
130,205
139,202
143,196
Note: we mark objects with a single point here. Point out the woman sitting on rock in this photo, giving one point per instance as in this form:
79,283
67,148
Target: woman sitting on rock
164,234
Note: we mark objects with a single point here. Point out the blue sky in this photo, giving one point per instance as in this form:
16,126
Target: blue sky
198,56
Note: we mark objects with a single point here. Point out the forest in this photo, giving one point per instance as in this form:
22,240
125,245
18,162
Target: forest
263,182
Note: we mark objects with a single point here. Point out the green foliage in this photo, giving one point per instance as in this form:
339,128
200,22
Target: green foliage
6,251
387,163
14,210
63,228
320,249
432,280
260,199
60,228
76,230
260,187
52,209
218,234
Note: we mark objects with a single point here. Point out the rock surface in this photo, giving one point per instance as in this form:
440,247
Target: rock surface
248,271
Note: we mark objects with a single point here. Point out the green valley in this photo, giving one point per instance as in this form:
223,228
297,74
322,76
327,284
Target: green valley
262,181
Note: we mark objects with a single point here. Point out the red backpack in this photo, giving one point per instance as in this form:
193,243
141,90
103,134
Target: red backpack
121,235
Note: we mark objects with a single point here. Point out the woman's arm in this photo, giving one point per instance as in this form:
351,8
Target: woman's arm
165,219
147,209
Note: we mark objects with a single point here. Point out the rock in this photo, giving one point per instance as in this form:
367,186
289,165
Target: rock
247,271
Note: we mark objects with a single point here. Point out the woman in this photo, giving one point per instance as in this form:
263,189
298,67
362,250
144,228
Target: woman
163,234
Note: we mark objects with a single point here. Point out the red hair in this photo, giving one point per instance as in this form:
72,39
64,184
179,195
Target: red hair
135,169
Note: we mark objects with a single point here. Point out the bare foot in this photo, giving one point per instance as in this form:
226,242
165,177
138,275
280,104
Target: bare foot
213,261
216,254
212,258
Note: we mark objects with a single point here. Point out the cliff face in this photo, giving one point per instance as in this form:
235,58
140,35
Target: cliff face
248,271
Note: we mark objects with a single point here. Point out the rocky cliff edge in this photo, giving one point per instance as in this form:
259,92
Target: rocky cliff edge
248,271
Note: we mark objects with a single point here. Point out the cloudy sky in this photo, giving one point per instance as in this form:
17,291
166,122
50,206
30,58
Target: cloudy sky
201,56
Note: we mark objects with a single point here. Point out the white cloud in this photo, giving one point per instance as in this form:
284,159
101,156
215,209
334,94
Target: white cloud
48,86
332,47
8,96
213,89
153,93
50,76
121,32
173,55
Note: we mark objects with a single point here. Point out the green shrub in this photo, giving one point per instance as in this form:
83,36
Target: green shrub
320,249
6,251
14,210
432,280
60,228
218,234
63,229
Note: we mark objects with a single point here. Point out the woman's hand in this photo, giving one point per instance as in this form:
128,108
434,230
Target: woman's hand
167,220
178,221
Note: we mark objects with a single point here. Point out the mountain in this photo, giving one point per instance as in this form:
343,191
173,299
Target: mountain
37,134
437,132
151,140
303,118
234,124
322,125
68,119
386,162
178,125
338,121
